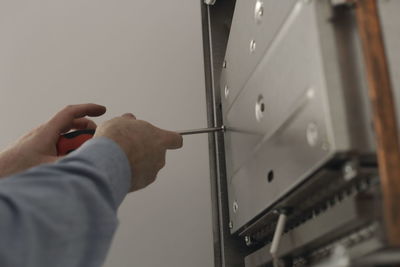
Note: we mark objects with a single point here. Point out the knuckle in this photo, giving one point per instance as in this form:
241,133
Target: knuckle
68,107
145,123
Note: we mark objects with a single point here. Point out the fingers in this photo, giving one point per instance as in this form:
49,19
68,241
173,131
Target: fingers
83,123
63,121
129,115
172,140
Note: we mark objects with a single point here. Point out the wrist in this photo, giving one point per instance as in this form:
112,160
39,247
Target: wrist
7,163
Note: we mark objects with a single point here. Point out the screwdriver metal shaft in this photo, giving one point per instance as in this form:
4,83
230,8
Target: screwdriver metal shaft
203,130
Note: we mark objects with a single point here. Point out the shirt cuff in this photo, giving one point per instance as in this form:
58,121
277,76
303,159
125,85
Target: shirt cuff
108,157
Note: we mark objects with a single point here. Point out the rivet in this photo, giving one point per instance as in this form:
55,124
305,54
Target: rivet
230,225
224,64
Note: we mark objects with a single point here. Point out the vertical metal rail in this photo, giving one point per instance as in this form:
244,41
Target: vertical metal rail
228,251
211,121
384,116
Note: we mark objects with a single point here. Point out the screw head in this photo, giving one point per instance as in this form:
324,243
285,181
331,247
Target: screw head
226,91
259,11
349,170
312,134
224,64
230,225
252,46
247,240
235,206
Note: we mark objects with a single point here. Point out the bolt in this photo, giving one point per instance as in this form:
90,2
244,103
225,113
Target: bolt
230,225
226,90
209,2
349,170
235,206
252,46
259,11
312,134
247,240
224,64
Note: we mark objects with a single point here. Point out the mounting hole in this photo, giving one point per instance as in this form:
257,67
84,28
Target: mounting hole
260,108
270,176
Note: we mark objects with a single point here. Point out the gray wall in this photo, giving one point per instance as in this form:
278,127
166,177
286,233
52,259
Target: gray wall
143,57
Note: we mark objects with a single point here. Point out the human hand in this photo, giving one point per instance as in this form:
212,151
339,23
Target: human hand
144,144
40,145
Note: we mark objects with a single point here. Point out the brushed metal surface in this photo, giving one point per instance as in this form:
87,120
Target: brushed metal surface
312,110
244,29
286,73
216,21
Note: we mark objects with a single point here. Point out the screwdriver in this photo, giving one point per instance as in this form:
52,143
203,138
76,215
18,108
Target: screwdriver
203,130
70,141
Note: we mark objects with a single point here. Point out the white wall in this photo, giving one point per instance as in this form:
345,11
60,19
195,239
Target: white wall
143,57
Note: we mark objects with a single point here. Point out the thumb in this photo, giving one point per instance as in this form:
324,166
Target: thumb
129,115
172,140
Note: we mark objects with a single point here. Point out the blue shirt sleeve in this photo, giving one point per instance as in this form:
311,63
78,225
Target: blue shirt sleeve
64,214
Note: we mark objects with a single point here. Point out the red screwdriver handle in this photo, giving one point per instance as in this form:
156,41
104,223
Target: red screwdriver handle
70,141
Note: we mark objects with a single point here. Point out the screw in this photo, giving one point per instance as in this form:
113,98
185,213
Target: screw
226,90
209,2
349,170
224,64
235,206
258,11
230,225
247,240
252,46
312,134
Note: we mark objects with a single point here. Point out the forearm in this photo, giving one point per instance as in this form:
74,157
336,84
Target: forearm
64,214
